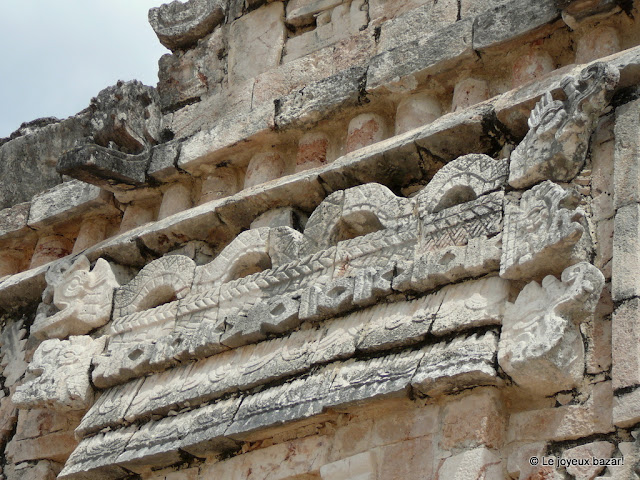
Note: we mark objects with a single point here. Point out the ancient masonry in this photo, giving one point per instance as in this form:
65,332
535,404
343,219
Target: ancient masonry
341,240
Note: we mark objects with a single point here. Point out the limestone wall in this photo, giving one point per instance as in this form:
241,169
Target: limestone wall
341,240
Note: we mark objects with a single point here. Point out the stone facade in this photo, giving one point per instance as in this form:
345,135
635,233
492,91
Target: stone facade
341,240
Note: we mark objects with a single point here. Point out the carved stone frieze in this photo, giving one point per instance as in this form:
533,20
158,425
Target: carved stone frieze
163,280
541,347
540,232
556,145
58,375
462,180
84,297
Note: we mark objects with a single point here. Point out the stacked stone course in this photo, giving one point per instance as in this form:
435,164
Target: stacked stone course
341,240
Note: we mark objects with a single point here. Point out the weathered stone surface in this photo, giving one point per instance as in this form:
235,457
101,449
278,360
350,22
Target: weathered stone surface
588,452
263,33
13,220
512,19
187,76
361,466
625,172
127,115
406,66
181,24
450,264
343,21
477,419
84,298
478,463
541,232
556,146
302,12
468,92
533,65
626,356
460,364
416,111
471,304
317,101
96,456
626,235
26,161
105,167
541,347
67,201
60,375
163,161
364,130
566,422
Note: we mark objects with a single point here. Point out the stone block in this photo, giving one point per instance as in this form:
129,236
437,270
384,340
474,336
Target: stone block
410,64
410,460
344,20
568,421
67,201
208,145
319,100
626,408
518,464
415,111
162,166
360,467
477,463
474,8
477,419
303,12
42,470
395,324
513,19
625,350
577,13
295,459
188,76
13,220
588,451
26,161
53,446
471,304
425,19
463,363
625,283
223,182
626,172
180,24
255,42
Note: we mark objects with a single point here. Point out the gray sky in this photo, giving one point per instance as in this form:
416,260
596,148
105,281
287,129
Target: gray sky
58,54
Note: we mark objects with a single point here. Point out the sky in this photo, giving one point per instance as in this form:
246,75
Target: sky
58,54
